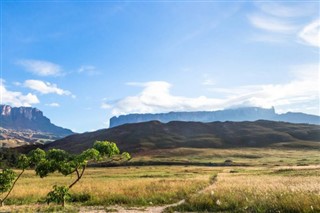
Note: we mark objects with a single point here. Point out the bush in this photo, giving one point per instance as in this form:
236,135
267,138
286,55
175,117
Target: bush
83,197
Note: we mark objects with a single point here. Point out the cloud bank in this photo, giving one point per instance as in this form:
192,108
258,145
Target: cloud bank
156,96
16,98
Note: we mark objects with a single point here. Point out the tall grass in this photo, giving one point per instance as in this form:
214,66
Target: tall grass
259,191
139,186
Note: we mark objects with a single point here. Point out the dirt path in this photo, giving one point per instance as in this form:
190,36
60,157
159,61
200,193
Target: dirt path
103,209
152,209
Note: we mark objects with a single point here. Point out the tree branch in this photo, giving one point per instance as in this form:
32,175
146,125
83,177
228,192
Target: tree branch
79,176
14,183
77,172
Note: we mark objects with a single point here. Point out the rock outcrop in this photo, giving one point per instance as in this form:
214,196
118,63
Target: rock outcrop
27,118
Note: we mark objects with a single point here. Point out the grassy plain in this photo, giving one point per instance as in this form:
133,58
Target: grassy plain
129,185
274,180
249,156
286,189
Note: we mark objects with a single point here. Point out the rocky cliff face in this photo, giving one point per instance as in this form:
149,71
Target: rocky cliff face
27,118
240,114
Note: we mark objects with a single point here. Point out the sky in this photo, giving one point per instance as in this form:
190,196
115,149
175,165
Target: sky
82,62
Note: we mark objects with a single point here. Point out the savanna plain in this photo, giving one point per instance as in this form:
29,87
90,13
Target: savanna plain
237,180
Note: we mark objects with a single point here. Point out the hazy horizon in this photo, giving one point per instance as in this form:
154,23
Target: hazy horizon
84,62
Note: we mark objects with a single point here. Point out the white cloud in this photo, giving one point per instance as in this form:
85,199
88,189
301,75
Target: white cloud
271,24
279,22
45,87
156,97
105,106
294,9
89,70
16,98
310,34
41,68
53,105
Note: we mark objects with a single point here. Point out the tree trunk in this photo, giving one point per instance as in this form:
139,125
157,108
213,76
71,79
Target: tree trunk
79,176
14,183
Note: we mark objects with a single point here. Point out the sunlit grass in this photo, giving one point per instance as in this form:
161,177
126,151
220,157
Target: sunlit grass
260,191
129,186
277,180
248,156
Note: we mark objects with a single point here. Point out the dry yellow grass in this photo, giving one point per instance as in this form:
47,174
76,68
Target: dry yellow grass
131,186
246,189
275,190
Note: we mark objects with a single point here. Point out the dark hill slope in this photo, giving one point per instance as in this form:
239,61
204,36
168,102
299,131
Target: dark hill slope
156,135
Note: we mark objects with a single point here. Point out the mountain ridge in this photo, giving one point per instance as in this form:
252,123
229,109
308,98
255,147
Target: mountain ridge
237,114
21,125
153,135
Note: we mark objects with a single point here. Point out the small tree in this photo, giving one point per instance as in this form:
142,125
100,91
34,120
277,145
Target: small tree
8,177
67,164
59,195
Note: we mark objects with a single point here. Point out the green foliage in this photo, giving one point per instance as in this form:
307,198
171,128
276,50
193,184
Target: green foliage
36,156
59,195
43,168
126,156
106,148
7,177
23,161
57,155
66,164
8,157
89,154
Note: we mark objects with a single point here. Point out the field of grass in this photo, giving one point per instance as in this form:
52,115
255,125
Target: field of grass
139,186
291,189
248,156
274,181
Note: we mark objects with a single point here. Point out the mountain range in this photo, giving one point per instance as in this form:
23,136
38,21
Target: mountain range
21,125
153,135
239,114
26,125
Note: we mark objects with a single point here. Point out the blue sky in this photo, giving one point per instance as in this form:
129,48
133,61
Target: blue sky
82,62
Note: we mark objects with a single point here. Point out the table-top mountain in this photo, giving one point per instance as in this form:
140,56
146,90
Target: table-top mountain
19,125
238,114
